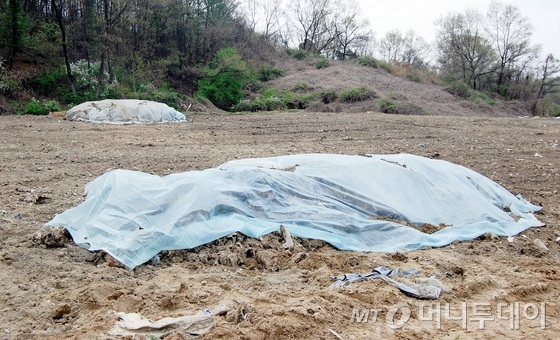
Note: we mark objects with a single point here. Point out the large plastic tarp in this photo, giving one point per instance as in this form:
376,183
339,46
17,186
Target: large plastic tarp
361,203
125,111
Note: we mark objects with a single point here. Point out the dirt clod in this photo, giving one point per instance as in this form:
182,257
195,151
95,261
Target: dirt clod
60,311
52,237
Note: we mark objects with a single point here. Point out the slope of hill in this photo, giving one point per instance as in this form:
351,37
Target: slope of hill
427,93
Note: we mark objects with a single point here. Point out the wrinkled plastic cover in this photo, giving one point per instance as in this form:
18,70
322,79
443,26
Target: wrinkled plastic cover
352,202
125,111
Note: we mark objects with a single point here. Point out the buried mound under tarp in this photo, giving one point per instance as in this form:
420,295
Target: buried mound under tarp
361,203
125,111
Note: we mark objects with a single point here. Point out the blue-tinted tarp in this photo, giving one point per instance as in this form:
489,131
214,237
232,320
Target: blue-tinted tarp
352,202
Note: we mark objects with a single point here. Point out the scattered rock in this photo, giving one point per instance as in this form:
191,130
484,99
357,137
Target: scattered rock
300,257
353,261
60,311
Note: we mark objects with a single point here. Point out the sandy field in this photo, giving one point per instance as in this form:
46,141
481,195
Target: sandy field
494,287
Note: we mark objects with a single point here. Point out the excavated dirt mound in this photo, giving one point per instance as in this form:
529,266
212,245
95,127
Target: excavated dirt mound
53,289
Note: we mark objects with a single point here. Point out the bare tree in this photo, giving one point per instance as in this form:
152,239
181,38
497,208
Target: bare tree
271,10
415,51
391,46
262,16
250,12
464,53
314,22
352,32
510,34
547,82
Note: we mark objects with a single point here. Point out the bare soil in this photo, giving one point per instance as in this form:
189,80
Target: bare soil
53,289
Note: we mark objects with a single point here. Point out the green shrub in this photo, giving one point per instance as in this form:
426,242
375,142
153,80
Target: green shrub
245,105
267,73
163,94
357,94
297,53
553,110
307,99
502,90
301,87
387,106
291,100
270,92
8,86
481,98
224,79
322,63
368,62
459,89
35,107
271,99
408,108
10,82
386,66
51,105
51,82
274,103
400,107
328,96
414,76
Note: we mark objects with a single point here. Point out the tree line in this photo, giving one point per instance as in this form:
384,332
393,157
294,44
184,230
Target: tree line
90,49
488,52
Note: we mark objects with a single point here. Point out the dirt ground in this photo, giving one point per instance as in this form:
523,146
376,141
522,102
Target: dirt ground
53,289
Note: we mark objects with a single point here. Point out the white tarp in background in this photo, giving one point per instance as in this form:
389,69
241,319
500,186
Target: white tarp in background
348,201
125,111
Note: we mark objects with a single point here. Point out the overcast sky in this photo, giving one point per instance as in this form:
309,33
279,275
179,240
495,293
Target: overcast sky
420,15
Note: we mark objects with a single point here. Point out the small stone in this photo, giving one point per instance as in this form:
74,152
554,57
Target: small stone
60,311
353,261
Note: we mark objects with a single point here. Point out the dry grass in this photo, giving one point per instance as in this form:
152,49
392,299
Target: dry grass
427,94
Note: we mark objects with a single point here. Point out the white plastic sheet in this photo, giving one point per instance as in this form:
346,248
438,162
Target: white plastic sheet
125,111
352,202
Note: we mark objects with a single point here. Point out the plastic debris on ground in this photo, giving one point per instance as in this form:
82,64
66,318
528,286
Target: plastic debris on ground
361,203
419,291
132,324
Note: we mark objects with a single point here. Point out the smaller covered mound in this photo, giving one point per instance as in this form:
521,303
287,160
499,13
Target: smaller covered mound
125,111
